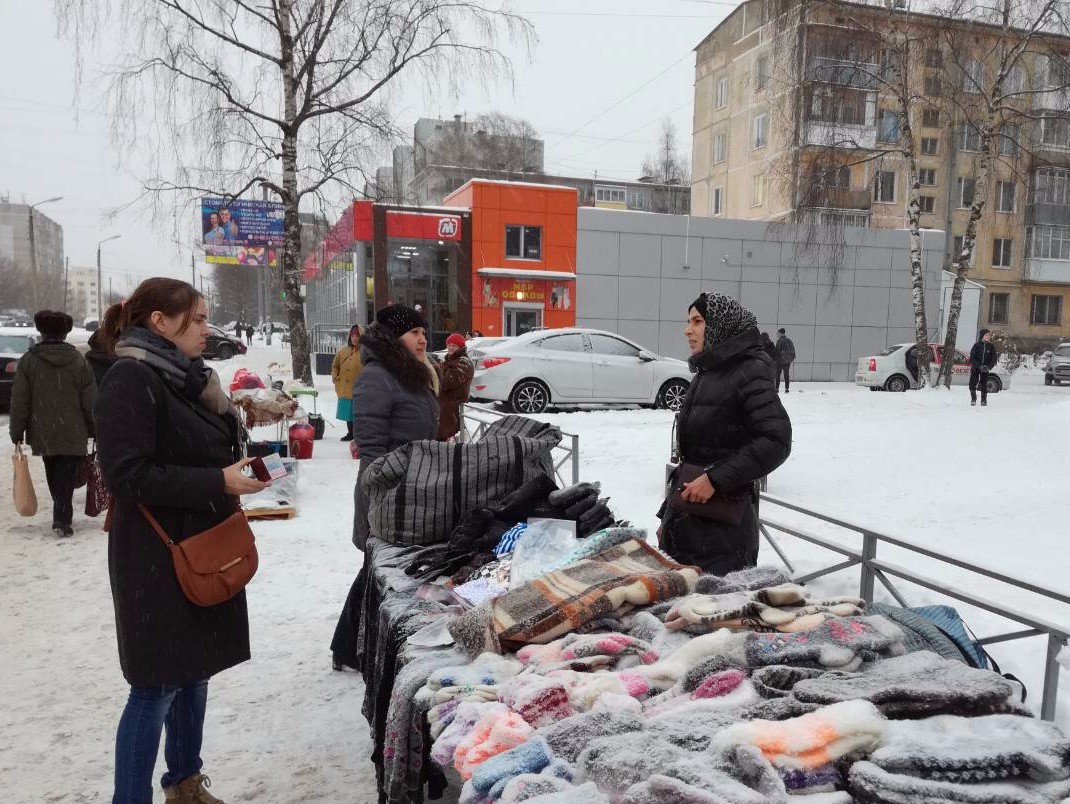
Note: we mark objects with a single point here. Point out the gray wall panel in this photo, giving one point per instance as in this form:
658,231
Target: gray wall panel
640,255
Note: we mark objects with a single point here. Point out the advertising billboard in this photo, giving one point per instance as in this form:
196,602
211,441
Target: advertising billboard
239,232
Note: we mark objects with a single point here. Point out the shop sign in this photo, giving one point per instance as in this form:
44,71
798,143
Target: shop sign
423,225
524,292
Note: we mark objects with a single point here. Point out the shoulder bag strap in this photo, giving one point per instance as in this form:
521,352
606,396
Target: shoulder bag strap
156,526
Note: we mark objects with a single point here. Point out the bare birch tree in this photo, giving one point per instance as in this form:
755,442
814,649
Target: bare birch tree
290,97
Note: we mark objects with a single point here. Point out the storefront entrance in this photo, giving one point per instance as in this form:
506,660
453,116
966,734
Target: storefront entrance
521,318
424,274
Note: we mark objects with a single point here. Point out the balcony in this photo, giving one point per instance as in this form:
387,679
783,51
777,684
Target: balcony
1057,272
841,135
861,75
841,198
830,216
1047,214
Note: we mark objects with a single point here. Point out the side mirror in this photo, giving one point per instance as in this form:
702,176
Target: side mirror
647,357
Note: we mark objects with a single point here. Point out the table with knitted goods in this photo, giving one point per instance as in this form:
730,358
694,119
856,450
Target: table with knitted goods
622,676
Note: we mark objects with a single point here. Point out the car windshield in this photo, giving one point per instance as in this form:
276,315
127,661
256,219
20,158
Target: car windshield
1064,350
15,344
891,350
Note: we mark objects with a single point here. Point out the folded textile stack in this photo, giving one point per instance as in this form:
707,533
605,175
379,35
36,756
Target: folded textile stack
785,607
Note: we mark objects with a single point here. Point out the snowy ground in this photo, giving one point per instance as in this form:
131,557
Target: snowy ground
987,485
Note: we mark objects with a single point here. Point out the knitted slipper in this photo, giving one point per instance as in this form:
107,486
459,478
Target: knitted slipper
495,733
529,757
567,738
742,580
869,784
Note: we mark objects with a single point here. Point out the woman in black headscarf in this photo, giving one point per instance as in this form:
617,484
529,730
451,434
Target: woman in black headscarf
732,425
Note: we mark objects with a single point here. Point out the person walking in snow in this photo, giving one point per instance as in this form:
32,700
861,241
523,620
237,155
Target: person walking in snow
98,358
769,347
785,356
249,334
52,400
168,440
455,380
733,427
345,368
983,357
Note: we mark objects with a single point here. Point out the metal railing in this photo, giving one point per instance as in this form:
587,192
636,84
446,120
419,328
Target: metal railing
874,569
568,451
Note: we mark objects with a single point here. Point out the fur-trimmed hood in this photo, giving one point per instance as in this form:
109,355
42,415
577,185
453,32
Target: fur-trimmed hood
378,345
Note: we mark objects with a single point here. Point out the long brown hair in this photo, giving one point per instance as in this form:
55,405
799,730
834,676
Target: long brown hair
171,297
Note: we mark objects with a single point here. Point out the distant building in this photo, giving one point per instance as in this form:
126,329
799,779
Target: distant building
48,238
82,294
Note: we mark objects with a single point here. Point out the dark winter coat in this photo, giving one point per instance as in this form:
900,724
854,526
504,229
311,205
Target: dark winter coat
159,447
455,373
732,422
785,351
393,405
98,359
983,356
52,400
769,348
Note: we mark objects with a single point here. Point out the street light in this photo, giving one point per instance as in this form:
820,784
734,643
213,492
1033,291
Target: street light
100,281
33,245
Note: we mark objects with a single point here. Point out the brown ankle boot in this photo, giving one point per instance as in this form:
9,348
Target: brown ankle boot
191,790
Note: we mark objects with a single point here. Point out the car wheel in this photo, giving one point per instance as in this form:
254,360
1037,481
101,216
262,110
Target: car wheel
1058,382
897,383
1048,379
671,396
874,388
225,351
993,385
529,396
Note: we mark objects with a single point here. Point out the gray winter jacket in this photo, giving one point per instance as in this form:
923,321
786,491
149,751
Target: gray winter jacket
393,405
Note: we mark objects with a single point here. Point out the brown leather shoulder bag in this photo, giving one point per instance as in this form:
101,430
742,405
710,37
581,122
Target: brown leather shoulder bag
214,565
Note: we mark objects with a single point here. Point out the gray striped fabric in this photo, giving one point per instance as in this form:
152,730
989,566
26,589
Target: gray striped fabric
419,492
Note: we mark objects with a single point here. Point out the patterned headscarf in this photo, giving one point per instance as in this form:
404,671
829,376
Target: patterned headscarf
725,318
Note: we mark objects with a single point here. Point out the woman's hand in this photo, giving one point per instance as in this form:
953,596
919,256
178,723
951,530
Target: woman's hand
699,490
236,484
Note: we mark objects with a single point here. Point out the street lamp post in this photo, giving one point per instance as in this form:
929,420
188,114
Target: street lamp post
100,280
33,246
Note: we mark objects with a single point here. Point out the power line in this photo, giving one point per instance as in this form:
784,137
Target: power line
627,133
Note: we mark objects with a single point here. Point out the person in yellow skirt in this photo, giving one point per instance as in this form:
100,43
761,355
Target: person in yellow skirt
345,369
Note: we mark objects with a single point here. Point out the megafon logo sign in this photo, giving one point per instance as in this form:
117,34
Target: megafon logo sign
448,227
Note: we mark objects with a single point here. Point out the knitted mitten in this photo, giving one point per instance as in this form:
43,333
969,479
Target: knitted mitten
529,757
778,680
527,786
649,628
441,715
495,733
578,646
720,684
812,740
567,496
672,668
464,721
841,643
870,784
537,699
541,655
567,738
693,728
466,692
742,580
586,793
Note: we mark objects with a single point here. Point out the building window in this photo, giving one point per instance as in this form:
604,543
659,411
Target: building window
999,308
1057,73
758,131
1052,186
1055,131
888,126
610,195
934,58
930,146
720,148
1005,196
757,190
636,201
718,201
1009,139
967,190
1051,242
523,242
761,73
969,137
828,105
973,76
930,118
1001,252
1014,81
1046,310
884,187
927,203
838,178
721,94
934,87
927,177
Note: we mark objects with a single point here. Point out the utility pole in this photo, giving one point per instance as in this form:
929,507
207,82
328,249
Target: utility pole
66,275
100,279
193,268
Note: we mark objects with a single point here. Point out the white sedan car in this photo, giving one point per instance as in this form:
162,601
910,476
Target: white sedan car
889,371
577,367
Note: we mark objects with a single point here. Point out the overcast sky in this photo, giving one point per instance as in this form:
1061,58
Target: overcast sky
602,76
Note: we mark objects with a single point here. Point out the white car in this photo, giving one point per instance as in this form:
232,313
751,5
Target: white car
475,346
888,371
577,367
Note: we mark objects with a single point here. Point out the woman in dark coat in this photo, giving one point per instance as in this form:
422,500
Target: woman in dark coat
455,380
99,358
168,439
733,425
394,403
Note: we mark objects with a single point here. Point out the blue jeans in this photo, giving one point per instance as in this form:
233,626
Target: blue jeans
148,710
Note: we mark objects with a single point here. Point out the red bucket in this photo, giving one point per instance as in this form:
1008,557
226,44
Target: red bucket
302,437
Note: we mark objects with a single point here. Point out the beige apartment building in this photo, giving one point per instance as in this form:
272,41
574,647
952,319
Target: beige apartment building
790,124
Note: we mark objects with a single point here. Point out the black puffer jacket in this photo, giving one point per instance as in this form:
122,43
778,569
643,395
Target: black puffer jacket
731,421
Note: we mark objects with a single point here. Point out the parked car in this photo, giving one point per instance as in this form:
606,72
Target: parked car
575,367
1058,368
888,371
222,345
14,343
475,346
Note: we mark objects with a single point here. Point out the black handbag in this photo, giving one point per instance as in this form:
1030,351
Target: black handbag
721,507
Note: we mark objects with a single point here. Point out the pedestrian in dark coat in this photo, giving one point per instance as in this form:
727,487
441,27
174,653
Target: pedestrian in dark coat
455,381
249,333
983,357
785,356
98,358
52,400
769,347
732,424
170,440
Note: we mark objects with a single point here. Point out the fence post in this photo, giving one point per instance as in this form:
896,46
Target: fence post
575,459
869,552
1051,678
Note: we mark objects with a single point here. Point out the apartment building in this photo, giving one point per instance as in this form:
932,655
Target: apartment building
791,124
82,294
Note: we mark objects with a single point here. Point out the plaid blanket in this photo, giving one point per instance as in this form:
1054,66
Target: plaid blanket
418,493
540,611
